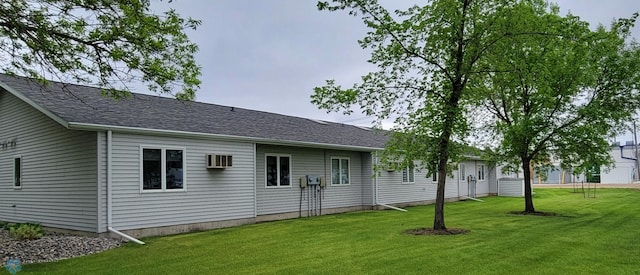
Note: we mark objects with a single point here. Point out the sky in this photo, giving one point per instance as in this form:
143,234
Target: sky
269,55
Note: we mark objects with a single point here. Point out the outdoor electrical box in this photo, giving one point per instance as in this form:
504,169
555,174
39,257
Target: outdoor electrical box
313,180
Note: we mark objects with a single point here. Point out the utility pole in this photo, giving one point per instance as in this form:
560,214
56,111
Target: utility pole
635,145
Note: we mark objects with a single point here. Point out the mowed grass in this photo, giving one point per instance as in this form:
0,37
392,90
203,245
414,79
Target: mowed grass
591,236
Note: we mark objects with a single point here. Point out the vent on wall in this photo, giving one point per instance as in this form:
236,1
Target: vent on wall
219,161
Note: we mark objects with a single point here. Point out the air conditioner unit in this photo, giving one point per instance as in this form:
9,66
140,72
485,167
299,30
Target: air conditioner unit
219,161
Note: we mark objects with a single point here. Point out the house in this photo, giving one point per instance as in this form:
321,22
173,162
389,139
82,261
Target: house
148,165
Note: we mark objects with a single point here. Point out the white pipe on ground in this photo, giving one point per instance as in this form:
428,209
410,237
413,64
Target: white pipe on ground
470,198
111,229
392,207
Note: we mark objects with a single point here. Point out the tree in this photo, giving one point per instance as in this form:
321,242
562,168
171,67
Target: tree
427,56
560,92
107,43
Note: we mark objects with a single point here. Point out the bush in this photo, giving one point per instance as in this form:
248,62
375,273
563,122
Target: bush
5,225
26,231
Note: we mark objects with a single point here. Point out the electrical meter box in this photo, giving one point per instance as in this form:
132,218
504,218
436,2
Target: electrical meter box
313,180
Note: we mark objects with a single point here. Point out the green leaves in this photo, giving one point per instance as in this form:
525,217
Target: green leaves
107,43
559,89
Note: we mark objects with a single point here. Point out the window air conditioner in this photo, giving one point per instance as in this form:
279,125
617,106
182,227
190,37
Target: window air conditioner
219,161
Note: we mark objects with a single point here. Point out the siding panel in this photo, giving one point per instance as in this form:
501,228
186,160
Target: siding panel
59,170
307,161
211,194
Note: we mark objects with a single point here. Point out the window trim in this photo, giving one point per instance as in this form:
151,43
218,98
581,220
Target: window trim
13,172
163,168
406,169
278,156
340,170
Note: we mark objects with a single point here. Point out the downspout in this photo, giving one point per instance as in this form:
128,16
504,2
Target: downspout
375,181
109,196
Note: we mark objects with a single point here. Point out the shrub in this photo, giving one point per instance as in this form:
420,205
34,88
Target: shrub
5,225
26,231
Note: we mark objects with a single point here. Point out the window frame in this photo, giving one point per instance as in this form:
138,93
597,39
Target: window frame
481,171
340,159
20,180
406,170
163,168
278,156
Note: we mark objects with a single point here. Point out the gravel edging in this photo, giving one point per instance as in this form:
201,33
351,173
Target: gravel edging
51,247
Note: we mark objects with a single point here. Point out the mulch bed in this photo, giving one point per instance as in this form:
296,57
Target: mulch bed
429,231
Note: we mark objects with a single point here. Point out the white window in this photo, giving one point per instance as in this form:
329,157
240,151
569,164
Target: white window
408,174
480,172
17,172
340,171
162,169
463,177
278,170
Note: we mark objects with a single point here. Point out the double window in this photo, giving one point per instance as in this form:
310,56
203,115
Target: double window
480,172
17,172
163,169
408,174
278,170
340,171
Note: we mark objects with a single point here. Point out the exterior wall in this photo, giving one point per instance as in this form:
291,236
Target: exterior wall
624,168
58,170
211,194
307,161
367,179
391,189
101,194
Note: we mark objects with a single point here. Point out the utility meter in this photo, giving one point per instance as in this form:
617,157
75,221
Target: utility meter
313,180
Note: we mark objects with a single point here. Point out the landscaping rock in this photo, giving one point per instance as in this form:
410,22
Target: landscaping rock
51,247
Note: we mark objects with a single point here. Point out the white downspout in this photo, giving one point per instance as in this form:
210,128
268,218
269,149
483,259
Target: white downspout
375,183
109,197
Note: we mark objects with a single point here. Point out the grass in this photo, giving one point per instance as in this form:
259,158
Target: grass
590,236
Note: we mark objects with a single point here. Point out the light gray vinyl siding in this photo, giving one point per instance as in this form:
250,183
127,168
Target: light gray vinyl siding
367,179
307,161
493,180
211,194
102,181
58,170
391,189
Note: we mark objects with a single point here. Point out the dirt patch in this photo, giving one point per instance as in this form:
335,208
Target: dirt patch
537,213
429,231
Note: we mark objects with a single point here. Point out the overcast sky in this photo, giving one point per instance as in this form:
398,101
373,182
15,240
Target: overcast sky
269,55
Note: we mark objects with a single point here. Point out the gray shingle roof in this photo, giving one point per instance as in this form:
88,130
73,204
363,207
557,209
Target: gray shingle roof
82,104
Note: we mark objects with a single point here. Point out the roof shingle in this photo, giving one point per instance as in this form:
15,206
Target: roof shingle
83,104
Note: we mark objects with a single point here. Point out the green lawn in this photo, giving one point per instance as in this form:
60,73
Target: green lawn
592,236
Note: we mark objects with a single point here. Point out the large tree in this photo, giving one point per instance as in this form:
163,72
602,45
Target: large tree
560,93
107,43
426,57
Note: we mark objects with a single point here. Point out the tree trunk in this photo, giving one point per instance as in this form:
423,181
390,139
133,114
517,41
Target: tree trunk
528,199
438,221
451,110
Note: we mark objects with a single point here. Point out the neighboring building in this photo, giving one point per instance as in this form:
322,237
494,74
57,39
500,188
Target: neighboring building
625,160
147,165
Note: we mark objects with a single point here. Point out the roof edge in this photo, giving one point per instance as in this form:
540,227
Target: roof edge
30,102
137,130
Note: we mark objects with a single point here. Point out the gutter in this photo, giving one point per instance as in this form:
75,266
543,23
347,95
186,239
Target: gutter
109,189
136,130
